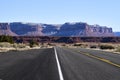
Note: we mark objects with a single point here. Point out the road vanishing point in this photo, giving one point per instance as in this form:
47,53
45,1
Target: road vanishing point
59,63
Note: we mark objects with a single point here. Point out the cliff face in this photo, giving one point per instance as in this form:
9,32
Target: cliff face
49,30
64,30
27,29
84,30
74,29
5,30
96,30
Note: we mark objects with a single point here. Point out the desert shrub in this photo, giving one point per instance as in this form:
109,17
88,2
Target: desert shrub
19,45
33,43
93,46
63,45
4,38
78,44
106,47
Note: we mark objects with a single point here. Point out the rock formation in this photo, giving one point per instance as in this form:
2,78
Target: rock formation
64,30
5,29
27,29
84,30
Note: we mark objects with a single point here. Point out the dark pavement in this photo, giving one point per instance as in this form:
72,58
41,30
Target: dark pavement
42,65
29,65
76,66
113,57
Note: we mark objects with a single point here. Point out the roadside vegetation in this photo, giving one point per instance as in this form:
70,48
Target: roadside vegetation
7,43
93,46
106,47
118,49
80,45
8,39
112,47
33,43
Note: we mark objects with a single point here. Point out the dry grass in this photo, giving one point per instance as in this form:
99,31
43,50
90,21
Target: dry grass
7,46
118,49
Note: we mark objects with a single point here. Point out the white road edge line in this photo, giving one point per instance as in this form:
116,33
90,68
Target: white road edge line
58,65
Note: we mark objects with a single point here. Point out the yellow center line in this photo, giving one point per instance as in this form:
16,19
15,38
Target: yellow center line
99,58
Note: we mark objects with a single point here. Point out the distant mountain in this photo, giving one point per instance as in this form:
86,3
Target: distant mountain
117,33
79,29
26,29
5,30
84,30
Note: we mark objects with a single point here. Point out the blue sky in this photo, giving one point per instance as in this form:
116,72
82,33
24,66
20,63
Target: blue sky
102,12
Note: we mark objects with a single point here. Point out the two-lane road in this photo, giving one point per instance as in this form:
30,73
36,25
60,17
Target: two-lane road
54,64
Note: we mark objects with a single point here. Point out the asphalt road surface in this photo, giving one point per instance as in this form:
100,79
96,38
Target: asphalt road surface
76,66
29,65
114,57
43,65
